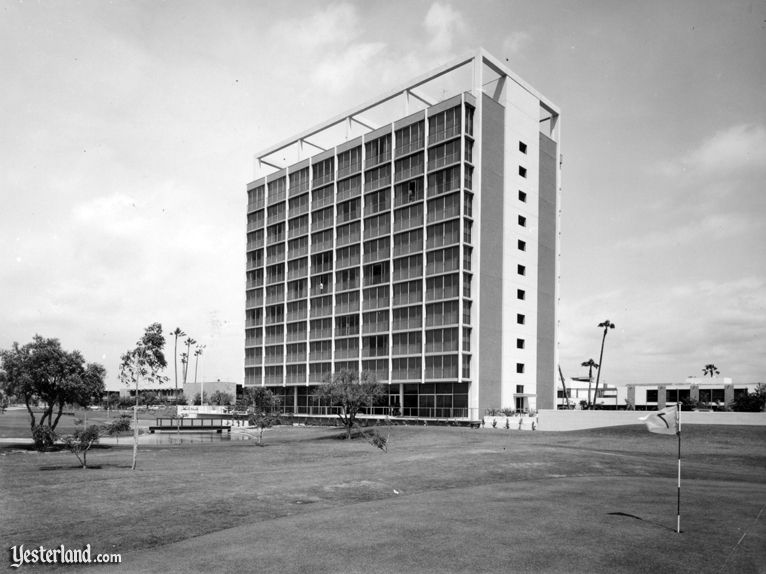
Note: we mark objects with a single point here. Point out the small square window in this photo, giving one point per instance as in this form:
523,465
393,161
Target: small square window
519,368
522,147
522,196
522,171
522,221
519,343
520,318
521,269
522,245
520,389
521,294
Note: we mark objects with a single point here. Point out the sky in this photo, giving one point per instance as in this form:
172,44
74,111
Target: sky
128,131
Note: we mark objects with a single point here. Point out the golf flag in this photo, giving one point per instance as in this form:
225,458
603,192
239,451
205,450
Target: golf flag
663,422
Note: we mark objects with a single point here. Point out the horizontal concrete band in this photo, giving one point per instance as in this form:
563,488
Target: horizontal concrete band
552,420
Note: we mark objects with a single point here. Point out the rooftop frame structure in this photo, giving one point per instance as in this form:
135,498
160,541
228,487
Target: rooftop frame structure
485,74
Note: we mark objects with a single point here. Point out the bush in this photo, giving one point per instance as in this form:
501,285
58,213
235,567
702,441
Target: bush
80,442
750,402
44,436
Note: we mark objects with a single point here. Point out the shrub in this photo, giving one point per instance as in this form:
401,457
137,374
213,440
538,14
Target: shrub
44,436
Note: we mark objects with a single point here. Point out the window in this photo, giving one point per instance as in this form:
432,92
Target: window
408,167
408,267
651,395
298,247
410,138
349,161
408,242
438,314
522,221
299,205
375,346
347,302
276,212
377,225
443,234
441,340
321,219
520,389
376,297
442,287
378,150
377,177
444,181
346,326
255,197
520,318
350,233
321,262
407,318
377,249
321,197
321,306
321,329
408,192
277,190
299,181
520,368
444,125
444,154
323,171
521,269
442,261
377,202
519,343
375,322
522,245
347,279
444,207
321,241
523,196
469,120
349,256
349,210
521,294
522,171
347,348
522,147
376,273
297,310
408,293
408,217
350,187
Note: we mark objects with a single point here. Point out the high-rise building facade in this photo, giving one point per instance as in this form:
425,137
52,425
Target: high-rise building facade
415,237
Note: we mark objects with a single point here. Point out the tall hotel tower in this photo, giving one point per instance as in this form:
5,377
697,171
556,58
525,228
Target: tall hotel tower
415,237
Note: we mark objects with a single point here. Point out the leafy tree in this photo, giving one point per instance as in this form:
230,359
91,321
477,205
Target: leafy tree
144,362
81,441
710,369
591,364
199,398
221,398
607,324
263,407
351,391
750,402
43,372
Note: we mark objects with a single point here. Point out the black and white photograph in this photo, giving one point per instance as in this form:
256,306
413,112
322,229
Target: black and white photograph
421,286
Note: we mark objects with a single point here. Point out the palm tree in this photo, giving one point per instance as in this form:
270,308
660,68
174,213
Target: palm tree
591,364
177,333
187,355
607,324
197,353
711,370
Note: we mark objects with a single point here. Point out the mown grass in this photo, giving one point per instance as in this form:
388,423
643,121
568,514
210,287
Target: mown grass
441,500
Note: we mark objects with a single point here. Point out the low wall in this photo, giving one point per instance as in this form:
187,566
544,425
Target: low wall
550,420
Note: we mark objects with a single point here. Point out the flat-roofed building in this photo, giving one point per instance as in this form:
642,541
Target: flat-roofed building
415,237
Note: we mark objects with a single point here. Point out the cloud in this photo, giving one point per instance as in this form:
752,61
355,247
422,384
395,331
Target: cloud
345,67
333,25
515,43
730,151
444,24
710,228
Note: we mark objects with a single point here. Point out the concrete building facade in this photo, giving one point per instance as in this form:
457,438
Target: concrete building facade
415,237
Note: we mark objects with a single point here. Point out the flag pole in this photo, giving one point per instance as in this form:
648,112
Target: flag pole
678,432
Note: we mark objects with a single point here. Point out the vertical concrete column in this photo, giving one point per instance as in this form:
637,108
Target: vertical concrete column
728,394
661,395
631,397
401,399
295,400
694,392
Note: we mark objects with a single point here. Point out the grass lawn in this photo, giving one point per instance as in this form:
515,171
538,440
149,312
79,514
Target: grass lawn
441,500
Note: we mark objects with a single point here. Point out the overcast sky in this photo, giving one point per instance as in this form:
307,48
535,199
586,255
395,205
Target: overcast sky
129,128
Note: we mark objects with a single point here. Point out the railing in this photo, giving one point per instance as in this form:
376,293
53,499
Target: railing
374,160
408,173
448,159
409,147
467,414
349,169
441,135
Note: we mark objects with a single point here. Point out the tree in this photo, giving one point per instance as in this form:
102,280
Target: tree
221,398
607,324
145,362
591,364
351,391
176,333
197,353
750,402
41,372
186,357
200,399
710,369
80,442
263,407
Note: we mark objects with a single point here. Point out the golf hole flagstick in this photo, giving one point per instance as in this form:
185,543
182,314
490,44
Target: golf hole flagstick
668,421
